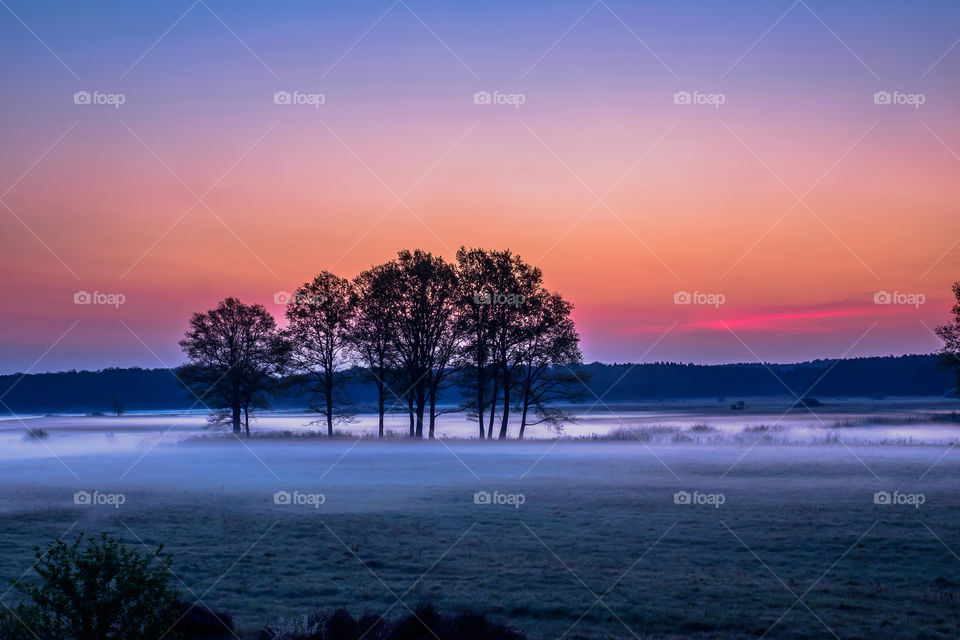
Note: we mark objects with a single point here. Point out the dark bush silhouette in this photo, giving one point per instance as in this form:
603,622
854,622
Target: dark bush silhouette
93,589
196,622
426,623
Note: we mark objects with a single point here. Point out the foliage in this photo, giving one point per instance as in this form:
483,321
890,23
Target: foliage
424,622
321,316
93,589
950,334
235,353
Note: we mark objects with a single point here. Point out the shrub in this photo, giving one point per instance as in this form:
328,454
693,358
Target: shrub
100,590
425,624
36,433
195,622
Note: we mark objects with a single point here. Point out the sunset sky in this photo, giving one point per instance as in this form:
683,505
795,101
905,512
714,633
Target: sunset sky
797,199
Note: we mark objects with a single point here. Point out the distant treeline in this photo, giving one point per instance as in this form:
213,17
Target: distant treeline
157,389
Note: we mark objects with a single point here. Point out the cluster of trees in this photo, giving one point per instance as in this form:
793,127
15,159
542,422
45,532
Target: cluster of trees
483,329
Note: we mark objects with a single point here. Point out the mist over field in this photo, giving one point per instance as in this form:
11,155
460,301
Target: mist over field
679,527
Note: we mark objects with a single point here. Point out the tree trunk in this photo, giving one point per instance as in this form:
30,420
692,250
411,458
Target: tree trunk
505,418
480,389
246,420
523,415
493,406
381,400
410,410
420,395
525,402
433,411
330,411
236,417
506,411
421,407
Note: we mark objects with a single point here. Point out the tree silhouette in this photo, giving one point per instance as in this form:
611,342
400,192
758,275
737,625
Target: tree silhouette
474,271
416,326
547,360
950,334
372,337
504,284
426,290
116,405
235,353
321,315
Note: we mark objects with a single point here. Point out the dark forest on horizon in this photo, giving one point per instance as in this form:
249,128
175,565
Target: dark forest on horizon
157,389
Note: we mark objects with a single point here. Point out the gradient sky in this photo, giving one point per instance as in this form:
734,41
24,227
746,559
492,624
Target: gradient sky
797,199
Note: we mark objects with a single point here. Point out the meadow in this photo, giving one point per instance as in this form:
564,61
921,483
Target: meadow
587,538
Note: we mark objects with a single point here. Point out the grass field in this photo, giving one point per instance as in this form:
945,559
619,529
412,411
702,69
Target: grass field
598,549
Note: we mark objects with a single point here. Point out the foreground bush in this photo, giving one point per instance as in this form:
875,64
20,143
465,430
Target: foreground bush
425,624
195,622
100,590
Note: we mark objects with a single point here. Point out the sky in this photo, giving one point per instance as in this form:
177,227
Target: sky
706,182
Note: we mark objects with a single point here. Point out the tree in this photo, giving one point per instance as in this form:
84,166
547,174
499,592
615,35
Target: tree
321,315
117,405
426,293
100,590
446,364
474,272
506,283
235,354
372,337
950,334
495,289
551,348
